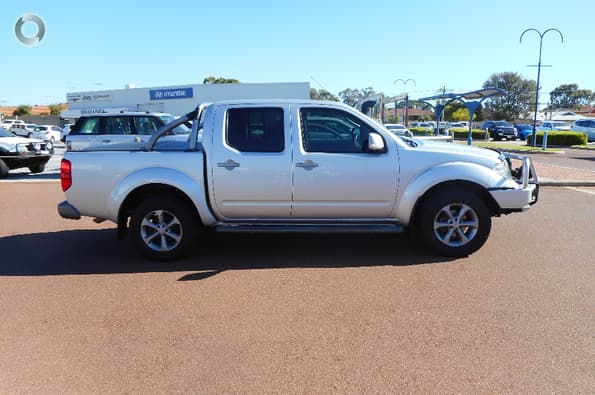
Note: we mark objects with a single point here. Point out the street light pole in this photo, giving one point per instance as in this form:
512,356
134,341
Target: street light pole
405,110
538,70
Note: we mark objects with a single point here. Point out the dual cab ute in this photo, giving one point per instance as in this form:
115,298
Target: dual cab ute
293,166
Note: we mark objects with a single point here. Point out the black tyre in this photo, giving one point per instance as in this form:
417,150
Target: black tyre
453,222
38,168
3,169
164,228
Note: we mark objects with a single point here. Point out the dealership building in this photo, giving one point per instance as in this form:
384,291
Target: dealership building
177,100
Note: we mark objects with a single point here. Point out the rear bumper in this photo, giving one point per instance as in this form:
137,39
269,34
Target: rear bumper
68,211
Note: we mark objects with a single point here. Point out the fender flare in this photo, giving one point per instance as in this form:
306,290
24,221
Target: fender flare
189,186
443,174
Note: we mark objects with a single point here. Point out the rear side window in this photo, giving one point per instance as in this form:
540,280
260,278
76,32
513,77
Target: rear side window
255,129
118,125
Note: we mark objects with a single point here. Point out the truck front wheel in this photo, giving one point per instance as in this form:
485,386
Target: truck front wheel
3,169
163,228
454,222
38,168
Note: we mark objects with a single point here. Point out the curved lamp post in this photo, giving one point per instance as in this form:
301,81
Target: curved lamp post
405,110
539,69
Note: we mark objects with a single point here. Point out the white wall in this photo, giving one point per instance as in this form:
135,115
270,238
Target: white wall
140,99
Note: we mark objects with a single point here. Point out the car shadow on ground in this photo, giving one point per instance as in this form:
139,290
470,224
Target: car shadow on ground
88,252
584,157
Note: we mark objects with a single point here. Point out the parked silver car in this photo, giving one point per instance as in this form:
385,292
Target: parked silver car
98,131
586,126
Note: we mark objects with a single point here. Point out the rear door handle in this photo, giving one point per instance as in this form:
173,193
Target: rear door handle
228,164
307,164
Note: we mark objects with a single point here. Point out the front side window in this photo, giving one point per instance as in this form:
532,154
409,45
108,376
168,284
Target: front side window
333,131
255,129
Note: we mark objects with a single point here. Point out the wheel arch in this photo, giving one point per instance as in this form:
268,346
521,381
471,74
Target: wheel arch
474,187
139,194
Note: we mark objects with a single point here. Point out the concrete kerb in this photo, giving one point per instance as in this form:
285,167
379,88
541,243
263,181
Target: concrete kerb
546,182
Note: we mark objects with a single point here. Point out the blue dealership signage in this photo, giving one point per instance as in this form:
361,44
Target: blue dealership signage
172,93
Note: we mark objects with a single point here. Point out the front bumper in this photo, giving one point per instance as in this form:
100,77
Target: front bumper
26,155
18,161
526,194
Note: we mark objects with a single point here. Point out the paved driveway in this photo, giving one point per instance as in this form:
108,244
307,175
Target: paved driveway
82,313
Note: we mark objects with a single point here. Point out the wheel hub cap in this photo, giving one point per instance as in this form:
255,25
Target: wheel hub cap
161,230
456,224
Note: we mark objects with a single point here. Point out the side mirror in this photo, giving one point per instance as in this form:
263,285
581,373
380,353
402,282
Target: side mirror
375,143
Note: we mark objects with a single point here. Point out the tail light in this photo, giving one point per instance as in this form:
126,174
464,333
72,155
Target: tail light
65,174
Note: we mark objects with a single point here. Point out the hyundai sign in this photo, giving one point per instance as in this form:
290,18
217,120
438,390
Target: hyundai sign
173,93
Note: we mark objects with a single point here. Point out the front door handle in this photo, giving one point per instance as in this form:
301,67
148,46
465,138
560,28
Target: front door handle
307,164
228,164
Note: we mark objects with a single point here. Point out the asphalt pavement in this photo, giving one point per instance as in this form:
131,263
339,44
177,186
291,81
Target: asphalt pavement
296,314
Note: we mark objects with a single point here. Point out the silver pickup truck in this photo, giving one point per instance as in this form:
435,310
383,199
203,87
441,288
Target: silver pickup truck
293,166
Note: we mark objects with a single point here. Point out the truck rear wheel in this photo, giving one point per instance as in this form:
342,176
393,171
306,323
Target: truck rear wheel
163,228
454,222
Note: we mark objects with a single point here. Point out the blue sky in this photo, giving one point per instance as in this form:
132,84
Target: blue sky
331,44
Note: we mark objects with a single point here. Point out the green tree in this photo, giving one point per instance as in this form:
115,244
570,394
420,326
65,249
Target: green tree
519,101
451,108
353,96
460,114
22,110
570,96
55,109
369,91
322,94
219,80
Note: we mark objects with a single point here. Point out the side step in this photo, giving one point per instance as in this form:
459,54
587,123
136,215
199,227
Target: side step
309,228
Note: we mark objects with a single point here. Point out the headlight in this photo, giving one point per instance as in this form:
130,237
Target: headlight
21,148
502,170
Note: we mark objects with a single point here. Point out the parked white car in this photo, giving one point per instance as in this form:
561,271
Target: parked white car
398,129
554,125
49,133
23,129
586,126
9,123
65,131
